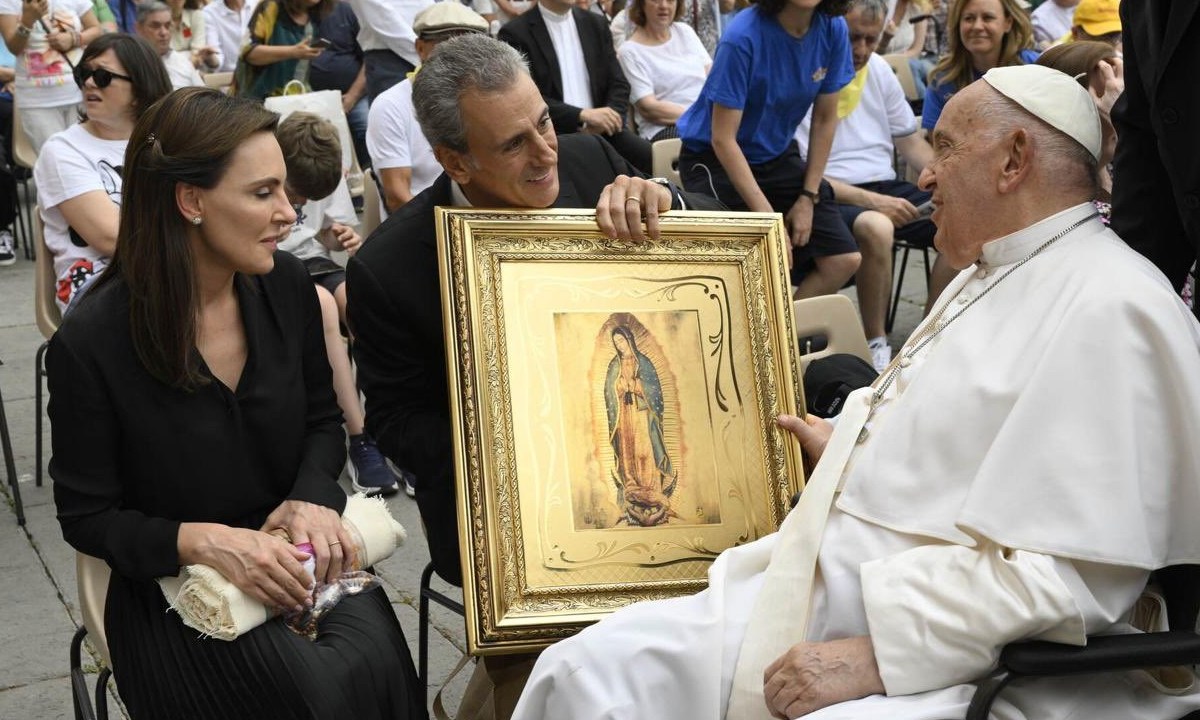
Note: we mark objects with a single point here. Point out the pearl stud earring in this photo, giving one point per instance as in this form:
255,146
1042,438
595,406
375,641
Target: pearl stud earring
197,220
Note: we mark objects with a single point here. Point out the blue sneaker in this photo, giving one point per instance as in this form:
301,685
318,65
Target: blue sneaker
369,472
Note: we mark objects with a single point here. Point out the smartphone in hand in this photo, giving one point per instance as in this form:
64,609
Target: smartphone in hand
320,42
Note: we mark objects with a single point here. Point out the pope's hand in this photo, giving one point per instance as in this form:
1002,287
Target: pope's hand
811,676
812,433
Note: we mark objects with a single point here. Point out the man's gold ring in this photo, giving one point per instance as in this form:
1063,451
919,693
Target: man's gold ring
634,198
335,542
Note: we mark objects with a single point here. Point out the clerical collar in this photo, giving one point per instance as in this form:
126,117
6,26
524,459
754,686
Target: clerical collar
551,16
457,197
1011,248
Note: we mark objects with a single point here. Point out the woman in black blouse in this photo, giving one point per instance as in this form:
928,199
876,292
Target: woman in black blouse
192,411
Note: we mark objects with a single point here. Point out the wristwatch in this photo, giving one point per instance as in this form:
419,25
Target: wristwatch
815,197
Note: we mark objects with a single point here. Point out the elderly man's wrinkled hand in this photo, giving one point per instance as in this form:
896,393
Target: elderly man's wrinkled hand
626,203
811,676
811,432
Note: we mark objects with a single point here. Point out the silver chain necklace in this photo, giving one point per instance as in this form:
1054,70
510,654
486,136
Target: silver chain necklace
915,345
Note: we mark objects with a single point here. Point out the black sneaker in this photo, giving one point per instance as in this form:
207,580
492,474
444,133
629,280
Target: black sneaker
369,472
410,480
7,256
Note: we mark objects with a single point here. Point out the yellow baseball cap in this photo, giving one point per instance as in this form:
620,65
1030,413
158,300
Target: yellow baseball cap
1098,17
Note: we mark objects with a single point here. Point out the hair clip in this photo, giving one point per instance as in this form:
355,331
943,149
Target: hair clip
151,139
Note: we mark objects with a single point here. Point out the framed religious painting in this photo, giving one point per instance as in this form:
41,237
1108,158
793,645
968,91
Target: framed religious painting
613,409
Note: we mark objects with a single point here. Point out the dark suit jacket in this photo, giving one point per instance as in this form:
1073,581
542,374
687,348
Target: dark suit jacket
394,305
1156,171
528,34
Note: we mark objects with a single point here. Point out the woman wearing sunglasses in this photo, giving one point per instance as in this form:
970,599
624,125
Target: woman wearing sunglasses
78,172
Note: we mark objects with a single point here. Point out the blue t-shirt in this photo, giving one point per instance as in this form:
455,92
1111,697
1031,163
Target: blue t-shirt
772,77
937,94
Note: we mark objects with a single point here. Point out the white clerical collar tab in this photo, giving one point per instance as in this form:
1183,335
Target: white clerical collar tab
1011,248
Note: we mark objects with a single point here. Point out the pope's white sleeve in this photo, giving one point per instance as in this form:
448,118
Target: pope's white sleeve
940,614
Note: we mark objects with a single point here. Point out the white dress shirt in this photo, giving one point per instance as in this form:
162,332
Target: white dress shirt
577,86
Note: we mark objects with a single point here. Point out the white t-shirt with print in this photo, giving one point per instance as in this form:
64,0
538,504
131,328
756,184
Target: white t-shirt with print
71,163
674,72
44,78
304,241
864,143
395,140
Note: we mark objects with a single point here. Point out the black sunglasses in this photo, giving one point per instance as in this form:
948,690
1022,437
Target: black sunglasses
103,78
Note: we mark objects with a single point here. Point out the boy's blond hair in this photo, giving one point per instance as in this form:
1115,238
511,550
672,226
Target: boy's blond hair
312,153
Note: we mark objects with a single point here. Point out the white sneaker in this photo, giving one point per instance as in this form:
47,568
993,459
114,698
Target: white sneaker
7,256
881,356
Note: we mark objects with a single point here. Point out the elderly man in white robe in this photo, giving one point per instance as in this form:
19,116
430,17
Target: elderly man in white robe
1026,460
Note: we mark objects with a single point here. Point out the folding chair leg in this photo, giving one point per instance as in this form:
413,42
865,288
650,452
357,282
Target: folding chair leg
10,466
102,694
39,372
423,636
80,696
902,265
985,695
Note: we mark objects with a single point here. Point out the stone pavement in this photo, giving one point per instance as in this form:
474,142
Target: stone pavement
37,568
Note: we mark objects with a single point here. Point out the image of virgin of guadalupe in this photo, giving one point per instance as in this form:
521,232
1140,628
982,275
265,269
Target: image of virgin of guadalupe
633,397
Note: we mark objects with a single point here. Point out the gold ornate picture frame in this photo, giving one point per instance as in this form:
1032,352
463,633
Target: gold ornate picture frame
613,409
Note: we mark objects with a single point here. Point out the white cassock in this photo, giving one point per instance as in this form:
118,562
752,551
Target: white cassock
1021,477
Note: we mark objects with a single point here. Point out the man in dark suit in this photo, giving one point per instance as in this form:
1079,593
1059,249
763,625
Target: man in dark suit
572,60
1156,176
490,129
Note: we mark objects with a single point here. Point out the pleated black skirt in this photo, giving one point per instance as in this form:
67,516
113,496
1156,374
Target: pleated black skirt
358,668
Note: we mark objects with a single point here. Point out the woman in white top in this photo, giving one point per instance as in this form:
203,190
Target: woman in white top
78,173
188,33
665,63
46,37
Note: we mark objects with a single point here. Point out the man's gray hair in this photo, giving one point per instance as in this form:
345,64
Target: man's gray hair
148,8
1060,155
467,62
872,10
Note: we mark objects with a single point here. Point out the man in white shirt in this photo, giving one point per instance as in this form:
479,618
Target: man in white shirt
876,123
225,23
1015,474
154,24
572,60
400,154
1052,21
386,36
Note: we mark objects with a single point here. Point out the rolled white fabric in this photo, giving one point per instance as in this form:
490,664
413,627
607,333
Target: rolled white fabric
209,603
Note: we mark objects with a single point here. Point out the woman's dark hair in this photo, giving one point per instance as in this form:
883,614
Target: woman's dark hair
626,333
832,8
187,137
316,13
637,12
141,62
1077,58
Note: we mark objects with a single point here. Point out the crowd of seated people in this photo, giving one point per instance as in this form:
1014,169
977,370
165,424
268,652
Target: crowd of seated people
783,106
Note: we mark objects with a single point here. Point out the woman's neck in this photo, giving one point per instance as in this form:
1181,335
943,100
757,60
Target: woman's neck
109,131
647,35
794,20
983,63
300,18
